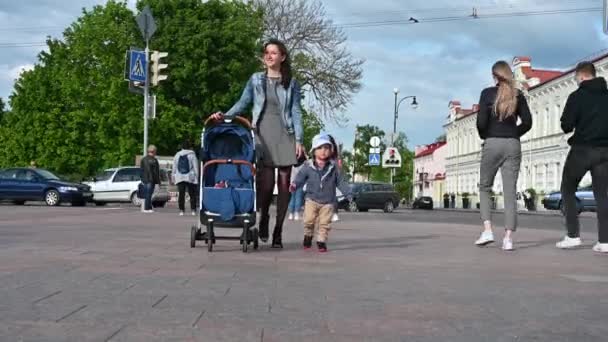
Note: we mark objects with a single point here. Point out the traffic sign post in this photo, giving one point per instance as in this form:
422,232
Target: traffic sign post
138,66
391,159
374,142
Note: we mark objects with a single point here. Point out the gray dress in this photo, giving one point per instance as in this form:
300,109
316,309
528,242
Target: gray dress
276,147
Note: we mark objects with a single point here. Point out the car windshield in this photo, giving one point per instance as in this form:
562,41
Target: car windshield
104,176
47,175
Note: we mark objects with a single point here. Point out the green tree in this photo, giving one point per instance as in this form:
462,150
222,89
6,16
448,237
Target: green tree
2,109
73,114
363,134
404,175
441,138
312,126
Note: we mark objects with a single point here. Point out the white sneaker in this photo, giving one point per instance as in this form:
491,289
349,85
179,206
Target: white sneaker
193,213
485,239
507,244
290,217
181,213
296,217
148,211
601,247
335,218
569,242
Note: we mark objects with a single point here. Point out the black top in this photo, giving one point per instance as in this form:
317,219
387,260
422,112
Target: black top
488,123
586,113
150,170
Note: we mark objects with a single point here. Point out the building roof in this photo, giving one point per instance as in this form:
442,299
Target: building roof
567,72
430,149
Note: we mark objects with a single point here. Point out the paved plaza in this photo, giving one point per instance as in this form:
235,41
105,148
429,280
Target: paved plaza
114,274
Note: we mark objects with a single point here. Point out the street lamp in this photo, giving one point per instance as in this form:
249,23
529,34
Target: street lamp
398,102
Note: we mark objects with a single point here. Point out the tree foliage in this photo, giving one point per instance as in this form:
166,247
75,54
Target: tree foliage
326,68
313,125
2,109
73,113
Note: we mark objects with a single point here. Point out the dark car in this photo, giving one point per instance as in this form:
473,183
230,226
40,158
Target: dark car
424,202
24,184
373,196
585,200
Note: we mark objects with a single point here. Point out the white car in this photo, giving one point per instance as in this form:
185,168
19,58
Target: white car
120,185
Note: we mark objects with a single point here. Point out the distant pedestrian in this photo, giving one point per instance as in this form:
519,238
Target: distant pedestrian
586,113
185,175
336,158
296,202
321,177
150,177
500,107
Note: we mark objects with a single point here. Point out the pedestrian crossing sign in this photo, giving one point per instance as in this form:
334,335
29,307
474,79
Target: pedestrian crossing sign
374,159
138,68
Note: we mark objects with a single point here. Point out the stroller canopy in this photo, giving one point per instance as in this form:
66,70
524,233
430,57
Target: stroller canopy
228,141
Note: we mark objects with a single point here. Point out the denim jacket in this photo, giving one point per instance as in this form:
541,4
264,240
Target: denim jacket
255,92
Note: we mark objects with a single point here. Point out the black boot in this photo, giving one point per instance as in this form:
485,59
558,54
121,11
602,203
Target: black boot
322,247
307,242
277,241
264,222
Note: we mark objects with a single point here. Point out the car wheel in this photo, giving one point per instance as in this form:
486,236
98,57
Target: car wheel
18,202
51,198
159,204
389,207
135,200
353,207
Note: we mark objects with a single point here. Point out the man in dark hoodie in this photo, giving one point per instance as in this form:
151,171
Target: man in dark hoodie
586,113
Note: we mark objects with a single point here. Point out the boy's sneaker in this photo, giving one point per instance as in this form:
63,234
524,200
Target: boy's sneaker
601,247
296,216
507,244
485,239
181,213
290,217
335,218
569,242
307,242
193,213
322,247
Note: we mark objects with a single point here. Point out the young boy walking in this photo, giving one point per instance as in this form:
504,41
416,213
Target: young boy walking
322,177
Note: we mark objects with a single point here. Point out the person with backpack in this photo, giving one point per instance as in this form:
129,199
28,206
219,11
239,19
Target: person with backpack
185,175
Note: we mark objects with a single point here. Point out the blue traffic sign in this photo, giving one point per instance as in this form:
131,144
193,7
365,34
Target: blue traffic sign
374,159
138,66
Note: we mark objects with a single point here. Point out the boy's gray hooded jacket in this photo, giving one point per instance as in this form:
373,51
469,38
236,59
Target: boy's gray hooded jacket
321,184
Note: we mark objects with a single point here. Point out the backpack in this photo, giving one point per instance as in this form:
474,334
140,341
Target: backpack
183,164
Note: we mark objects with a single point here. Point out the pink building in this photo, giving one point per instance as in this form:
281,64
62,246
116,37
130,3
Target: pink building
429,171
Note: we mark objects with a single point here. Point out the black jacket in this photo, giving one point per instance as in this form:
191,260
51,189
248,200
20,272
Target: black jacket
150,170
488,125
586,113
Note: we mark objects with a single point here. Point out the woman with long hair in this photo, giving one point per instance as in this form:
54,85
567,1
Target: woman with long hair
277,118
499,108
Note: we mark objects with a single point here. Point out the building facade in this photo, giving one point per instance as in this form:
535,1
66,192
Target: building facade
429,171
544,147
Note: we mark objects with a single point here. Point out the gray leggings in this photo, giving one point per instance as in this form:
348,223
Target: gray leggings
503,154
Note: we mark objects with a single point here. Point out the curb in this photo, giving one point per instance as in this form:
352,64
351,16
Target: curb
520,212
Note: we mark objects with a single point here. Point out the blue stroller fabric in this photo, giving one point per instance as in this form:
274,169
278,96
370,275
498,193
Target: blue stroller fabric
228,189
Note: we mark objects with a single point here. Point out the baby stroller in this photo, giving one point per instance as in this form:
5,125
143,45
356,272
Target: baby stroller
227,183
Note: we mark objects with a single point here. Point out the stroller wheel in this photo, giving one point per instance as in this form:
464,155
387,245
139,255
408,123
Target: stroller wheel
246,235
255,234
193,234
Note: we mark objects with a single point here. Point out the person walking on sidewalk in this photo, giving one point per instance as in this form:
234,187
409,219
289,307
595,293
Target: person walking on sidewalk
336,159
322,177
150,170
586,113
277,117
185,175
297,197
499,109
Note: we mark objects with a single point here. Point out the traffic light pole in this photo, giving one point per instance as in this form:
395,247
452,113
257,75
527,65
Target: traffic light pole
146,94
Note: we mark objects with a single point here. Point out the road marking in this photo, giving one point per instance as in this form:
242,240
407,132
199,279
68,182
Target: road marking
586,278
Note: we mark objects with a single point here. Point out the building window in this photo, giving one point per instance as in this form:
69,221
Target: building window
548,122
427,185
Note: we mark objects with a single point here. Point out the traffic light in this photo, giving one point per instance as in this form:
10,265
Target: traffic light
156,66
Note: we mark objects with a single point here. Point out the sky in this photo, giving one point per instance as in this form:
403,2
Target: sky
437,61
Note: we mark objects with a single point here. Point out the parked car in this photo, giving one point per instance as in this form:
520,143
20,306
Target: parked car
120,185
373,196
20,185
423,202
585,200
